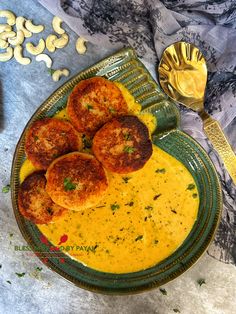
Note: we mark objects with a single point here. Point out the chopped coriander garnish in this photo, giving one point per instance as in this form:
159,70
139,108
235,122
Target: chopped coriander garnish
39,268
201,282
126,179
68,185
8,281
87,143
129,149
163,291
11,235
112,110
51,71
149,207
36,138
127,136
114,207
20,274
176,310
6,188
191,186
139,238
89,107
163,170
194,195
49,210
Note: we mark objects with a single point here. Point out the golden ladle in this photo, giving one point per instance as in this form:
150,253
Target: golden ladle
183,77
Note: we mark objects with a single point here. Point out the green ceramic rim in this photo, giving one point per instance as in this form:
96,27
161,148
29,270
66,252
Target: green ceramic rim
127,69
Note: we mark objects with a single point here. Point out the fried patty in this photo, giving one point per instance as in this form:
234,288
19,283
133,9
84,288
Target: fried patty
93,102
123,145
76,181
50,138
34,202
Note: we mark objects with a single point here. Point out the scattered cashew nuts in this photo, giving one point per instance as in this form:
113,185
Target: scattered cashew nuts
33,28
56,24
3,39
11,19
20,22
6,56
36,50
19,57
6,35
25,28
5,28
59,73
3,44
45,58
80,45
18,40
50,43
62,41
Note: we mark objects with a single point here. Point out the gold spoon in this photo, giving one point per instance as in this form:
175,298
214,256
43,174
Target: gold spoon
183,77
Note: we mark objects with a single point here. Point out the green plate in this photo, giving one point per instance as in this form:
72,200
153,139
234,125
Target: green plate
124,67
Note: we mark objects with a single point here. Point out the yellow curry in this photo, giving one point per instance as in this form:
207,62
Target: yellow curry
143,218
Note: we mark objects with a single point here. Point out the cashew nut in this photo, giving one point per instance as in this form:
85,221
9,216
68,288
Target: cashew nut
59,73
6,35
45,58
36,50
5,28
62,41
80,45
50,43
19,57
56,24
18,40
11,19
3,44
20,21
33,28
6,56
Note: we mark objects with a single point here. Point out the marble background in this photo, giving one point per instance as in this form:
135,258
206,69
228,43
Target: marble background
22,90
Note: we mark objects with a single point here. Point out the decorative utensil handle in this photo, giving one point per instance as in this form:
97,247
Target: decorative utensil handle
220,143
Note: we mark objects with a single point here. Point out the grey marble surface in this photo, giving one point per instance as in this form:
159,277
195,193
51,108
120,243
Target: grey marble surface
22,90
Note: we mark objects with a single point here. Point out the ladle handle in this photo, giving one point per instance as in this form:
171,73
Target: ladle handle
220,143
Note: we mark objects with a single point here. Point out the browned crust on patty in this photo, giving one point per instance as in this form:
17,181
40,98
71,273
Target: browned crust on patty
50,138
76,181
123,145
93,102
34,202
